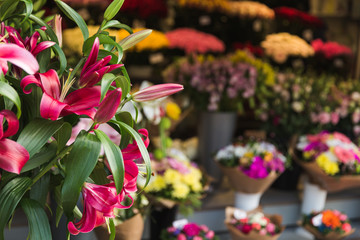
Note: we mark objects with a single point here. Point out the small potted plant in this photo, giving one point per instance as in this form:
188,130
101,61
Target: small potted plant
188,231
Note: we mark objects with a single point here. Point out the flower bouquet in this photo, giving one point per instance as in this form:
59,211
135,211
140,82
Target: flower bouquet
251,168
283,46
253,225
328,224
331,160
189,231
42,98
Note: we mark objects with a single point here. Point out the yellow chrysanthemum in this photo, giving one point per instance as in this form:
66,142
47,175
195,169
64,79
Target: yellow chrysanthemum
156,185
73,38
155,41
173,110
249,155
193,181
181,190
172,176
324,163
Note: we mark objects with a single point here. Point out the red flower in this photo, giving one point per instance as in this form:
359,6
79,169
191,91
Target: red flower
13,156
191,229
294,14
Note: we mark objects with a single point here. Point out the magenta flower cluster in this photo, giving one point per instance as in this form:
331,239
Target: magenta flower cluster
330,49
190,231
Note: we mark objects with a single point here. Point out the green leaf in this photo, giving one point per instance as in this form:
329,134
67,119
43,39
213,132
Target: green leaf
43,60
117,24
114,157
44,156
124,84
112,229
37,219
7,8
10,196
48,30
38,4
141,146
125,135
36,134
99,175
29,9
62,59
134,38
113,9
74,16
103,53
106,81
78,165
39,191
9,92
63,135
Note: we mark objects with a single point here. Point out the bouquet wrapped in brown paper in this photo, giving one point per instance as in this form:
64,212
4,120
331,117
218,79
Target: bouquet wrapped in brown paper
252,225
331,160
251,167
130,229
328,225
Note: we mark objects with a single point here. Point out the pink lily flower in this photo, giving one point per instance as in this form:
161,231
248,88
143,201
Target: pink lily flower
30,43
55,102
156,91
13,156
18,56
99,202
108,106
55,23
94,70
132,152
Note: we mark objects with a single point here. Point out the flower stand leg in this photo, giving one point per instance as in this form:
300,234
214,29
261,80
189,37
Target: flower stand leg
314,200
247,201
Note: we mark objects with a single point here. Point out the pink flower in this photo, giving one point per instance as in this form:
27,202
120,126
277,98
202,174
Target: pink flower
356,116
341,137
99,202
346,227
330,49
270,228
94,70
55,102
335,118
210,235
156,91
191,229
197,238
263,232
344,155
204,228
108,106
181,237
193,41
324,118
256,226
343,217
13,156
18,56
246,228
171,229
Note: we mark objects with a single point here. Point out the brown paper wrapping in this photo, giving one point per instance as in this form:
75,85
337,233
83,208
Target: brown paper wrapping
131,229
242,183
319,177
238,235
329,236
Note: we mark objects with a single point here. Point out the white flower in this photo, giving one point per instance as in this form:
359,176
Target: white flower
239,151
317,220
240,214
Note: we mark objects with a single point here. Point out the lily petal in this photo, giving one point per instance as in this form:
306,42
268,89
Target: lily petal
13,156
12,121
19,57
92,56
87,223
42,46
157,91
50,107
132,152
108,106
83,100
30,79
50,83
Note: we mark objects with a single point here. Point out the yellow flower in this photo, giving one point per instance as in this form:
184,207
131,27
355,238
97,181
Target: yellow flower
268,156
308,154
181,190
328,166
155,41
173,110
251,9
172,176
156,185
249,155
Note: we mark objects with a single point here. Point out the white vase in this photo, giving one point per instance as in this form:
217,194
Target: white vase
247,201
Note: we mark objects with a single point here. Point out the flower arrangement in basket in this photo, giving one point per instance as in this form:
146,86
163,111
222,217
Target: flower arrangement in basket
214,84
42,98
188,231
253,225
250,9
328,224
331,160
251,166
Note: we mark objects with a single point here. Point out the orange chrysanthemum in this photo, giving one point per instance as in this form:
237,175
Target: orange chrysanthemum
330,219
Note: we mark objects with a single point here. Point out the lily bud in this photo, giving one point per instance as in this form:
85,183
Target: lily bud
157,91
108,107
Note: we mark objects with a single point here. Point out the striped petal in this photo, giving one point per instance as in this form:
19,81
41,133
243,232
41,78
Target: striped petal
51,108
13,156
19,57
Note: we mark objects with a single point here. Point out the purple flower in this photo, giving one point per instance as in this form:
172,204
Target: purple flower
316,146
178,166
256,169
